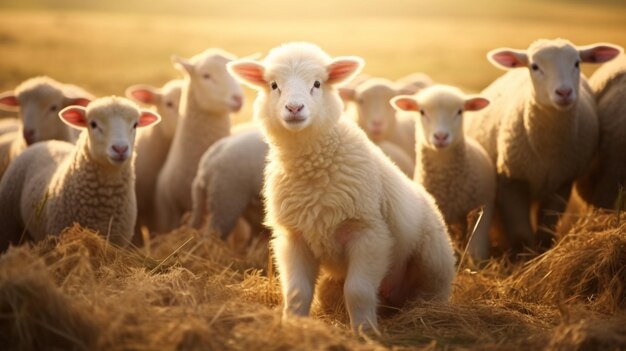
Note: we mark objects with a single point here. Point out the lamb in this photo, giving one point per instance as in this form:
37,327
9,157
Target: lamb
54,184
38,101
333,200
454,169
414,82
209,94
601,186
153,144
541,132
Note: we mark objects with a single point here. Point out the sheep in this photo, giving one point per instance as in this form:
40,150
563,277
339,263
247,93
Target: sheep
601,186
209,95
377,117
153,144
229,182
541,131
454,169
333,200
414,82
38,100
53,184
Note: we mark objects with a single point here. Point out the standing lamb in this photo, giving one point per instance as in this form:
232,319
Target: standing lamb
541,131
333,200
38,101
153,144
54,184
601,187
209,95
456,170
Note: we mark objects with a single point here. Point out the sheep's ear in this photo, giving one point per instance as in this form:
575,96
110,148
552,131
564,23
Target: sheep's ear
248,72
74,116
9,102
80,101
475,103
148,118
182,64
344,69
347,94
144,93
598,53
404,103
508,58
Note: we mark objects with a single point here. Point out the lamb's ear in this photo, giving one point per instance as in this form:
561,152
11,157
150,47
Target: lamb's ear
182,64
476,103
347,94
505,58
404,103
144,94
598,53
249,72
148,118
9,102
343,69
74,116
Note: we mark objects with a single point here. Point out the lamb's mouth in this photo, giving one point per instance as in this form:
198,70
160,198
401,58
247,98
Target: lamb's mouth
294,119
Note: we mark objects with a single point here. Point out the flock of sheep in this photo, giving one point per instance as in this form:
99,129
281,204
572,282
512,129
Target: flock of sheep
365,192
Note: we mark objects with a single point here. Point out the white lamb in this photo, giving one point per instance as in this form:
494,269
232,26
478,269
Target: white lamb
38,101
541,131
54,184
601,187
454,169
209,95
153,144
333,200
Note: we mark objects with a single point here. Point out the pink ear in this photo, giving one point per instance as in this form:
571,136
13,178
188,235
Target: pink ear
81,101
508,58
148,118
143,94
8,102
343,69
74,116
405,103
598,53
347,94
475,104
248,72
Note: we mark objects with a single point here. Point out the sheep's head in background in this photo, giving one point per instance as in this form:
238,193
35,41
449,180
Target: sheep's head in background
441,111
111,125
166,100
296,84
554,67
214,89
39,101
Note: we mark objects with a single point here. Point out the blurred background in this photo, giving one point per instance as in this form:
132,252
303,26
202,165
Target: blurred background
106,46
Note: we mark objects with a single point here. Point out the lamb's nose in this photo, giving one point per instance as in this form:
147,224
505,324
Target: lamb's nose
28,134
293,108
441,136
564,92
120,149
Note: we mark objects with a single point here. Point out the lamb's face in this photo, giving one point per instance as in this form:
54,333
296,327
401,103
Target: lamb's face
166,100
554,68
440,110
375,115
212,87
39,105
111,125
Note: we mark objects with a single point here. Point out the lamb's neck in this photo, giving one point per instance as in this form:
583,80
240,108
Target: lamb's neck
85,168
292,150
442,159
548,129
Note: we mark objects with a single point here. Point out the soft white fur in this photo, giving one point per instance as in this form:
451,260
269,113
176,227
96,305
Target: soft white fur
333,200
455,169
540,141
209,95
9,125
54,184
153,144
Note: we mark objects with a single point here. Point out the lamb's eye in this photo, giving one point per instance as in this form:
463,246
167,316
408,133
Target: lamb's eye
135,125
577,64
534,67
93,124
423,113
206,76
169,104
317,84
460,112
53,108
274,86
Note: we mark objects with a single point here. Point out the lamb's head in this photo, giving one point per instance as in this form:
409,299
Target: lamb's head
111,124
166,100
39,101
374,113
441,111
212,87
554,67
296,84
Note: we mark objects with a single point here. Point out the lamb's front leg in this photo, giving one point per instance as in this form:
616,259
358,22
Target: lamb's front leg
368,261
298,270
